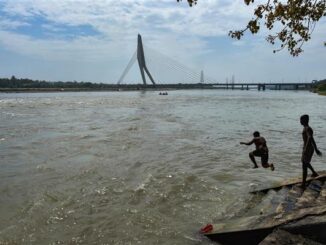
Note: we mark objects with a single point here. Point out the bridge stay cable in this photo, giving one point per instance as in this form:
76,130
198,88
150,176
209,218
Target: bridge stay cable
170,61
176,71
169,68
156,56
130,64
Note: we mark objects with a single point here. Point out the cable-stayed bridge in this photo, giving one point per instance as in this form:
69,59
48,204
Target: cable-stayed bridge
158,68
160,71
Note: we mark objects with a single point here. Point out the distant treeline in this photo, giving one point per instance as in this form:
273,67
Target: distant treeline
15,83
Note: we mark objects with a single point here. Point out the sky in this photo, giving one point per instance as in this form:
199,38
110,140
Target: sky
93,41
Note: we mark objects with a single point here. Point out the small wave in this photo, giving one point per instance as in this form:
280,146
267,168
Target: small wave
118,190
101,191
52,197
18,147
193,239
142,186
9,114
94,128
88,136
278,131
44,168
134,119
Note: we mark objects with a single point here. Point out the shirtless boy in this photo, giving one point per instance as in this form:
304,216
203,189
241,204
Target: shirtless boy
309,146
261,151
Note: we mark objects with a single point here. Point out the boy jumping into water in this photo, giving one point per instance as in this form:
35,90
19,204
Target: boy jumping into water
261,151
309,146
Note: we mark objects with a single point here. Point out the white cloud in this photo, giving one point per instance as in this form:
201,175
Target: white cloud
186,34
11,24
209,18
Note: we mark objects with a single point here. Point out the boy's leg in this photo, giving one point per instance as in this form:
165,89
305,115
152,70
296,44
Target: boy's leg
306,158
304,174
314,173
272,166
264,162
252,158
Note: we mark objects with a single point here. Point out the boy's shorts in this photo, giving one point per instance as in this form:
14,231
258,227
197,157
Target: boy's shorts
263,155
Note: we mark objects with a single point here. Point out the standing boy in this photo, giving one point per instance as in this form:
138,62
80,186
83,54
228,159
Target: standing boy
309,146
261,151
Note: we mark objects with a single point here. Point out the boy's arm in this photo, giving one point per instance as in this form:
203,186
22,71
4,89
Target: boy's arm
312,140
247,143
315,146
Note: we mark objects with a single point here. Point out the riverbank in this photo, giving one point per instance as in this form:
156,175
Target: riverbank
284,206
321,90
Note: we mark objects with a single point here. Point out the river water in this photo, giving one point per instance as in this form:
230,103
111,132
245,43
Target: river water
139,168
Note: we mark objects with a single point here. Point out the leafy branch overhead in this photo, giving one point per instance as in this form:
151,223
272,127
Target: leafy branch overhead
294,20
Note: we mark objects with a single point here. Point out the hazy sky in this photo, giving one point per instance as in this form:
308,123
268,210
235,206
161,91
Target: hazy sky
93,40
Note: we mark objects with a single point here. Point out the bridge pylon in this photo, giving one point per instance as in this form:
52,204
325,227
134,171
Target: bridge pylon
141,61
140,55
202,80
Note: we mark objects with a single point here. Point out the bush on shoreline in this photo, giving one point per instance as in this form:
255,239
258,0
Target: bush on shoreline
320,87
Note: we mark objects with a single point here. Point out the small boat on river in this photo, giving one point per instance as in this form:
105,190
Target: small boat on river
281,210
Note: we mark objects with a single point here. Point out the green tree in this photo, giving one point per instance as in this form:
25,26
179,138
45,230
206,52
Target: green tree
297,19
